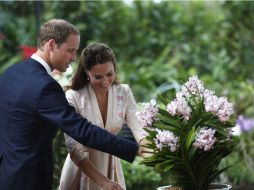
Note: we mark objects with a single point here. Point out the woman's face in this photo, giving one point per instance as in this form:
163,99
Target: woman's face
102,76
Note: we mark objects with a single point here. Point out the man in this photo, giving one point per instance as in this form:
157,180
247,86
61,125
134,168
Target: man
33,106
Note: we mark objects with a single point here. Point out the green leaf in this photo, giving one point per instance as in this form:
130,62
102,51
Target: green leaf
162,99
170,121
189,139
165,166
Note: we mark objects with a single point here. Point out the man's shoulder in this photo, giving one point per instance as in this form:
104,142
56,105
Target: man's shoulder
28,67
14,67
30,74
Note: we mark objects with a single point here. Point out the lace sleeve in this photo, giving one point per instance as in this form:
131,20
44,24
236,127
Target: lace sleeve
131,118
77,151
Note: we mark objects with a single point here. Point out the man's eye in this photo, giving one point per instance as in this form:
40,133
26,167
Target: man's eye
109,74
97,77
71,50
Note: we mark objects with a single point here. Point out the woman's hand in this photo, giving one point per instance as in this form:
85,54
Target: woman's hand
143,151
111,185
89,169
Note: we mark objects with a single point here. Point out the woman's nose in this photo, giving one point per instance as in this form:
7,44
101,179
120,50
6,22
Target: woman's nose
105,80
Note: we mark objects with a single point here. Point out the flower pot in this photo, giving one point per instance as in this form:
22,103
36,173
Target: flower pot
218,186
213,186
168,187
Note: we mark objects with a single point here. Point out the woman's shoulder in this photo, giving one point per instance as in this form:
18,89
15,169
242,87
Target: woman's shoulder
123,87
123,90
75,93
70,92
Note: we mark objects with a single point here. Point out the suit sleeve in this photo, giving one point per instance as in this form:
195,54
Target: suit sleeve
54,110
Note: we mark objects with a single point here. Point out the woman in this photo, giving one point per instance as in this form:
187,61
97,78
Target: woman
96,94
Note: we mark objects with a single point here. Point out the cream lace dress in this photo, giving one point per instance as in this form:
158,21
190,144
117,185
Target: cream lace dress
121,109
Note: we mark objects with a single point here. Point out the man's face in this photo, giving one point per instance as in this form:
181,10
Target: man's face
61,57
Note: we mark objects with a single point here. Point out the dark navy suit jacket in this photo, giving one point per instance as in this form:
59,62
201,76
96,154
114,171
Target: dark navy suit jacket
32,107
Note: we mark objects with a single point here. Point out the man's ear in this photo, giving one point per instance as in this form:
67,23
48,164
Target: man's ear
51,44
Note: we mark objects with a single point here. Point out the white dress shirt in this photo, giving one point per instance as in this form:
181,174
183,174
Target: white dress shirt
41,61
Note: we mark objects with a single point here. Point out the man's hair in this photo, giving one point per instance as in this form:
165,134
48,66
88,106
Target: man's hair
57,29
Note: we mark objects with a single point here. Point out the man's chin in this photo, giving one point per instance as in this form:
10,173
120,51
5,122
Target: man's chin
62,70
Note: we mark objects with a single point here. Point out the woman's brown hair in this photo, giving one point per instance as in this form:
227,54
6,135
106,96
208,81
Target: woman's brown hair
93,54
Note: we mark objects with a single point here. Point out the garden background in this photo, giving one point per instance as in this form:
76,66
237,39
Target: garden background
157,44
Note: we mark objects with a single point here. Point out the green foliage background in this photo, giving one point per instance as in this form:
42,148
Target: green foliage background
156,45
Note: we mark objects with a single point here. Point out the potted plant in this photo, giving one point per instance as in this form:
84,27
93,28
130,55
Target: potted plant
189,135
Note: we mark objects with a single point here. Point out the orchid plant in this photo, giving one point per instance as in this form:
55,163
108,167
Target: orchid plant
189,136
